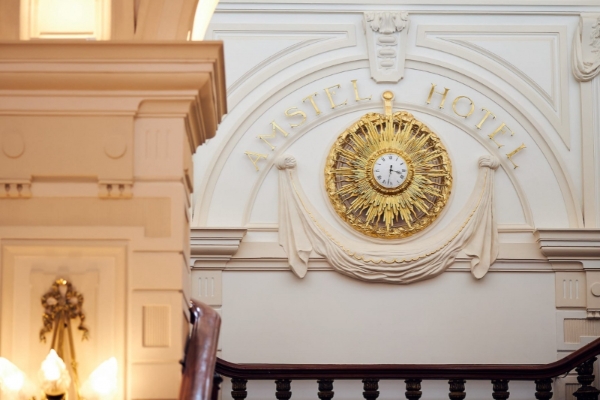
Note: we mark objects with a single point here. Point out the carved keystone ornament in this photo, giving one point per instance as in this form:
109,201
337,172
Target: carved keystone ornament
386,42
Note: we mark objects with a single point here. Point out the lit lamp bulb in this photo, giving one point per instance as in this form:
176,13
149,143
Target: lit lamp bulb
54,377
11,379
102,383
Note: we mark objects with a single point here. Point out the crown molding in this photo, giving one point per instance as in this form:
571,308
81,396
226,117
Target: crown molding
194,70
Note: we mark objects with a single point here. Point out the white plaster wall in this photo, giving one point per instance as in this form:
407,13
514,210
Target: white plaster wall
514,61
256,99
329,318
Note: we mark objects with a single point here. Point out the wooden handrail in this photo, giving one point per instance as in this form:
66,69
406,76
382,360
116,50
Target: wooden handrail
410,371
200,353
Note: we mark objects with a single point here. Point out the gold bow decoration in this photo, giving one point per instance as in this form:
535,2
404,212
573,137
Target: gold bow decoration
62,303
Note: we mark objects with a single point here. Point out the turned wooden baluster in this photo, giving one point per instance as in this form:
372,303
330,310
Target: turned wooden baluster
283,389
216,386
238,388
325,389
500,389
457,389
585,376
370,387
413,389
543,389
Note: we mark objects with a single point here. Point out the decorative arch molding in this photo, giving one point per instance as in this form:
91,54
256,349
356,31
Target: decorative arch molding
281,150
459,41
526,120
312,40
269,98
490,90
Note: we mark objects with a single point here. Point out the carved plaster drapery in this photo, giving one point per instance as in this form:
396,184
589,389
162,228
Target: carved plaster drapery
473,230
586,48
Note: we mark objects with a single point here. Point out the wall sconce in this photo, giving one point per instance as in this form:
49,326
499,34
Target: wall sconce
54,377
55,381
61,303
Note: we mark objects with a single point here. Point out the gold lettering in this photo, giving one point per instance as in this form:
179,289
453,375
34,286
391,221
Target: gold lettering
515,151
432,91
330,97
487,114
272,134
255,157
356,95
456,101
291,114
501,129
312,101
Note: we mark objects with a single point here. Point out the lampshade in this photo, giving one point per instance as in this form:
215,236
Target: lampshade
54,376
14,385
11,377
102,383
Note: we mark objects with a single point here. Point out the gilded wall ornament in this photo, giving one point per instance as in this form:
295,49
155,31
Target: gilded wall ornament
388,176
62,303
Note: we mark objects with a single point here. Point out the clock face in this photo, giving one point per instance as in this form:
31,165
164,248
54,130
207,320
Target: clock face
390,170
388,176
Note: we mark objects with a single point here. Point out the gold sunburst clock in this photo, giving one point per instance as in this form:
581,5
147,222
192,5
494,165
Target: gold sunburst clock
388,175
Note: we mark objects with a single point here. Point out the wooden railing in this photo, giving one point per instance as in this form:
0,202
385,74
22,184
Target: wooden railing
499,375
200,354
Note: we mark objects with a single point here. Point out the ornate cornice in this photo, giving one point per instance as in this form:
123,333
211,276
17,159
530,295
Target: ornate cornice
193,72
569,244
214,246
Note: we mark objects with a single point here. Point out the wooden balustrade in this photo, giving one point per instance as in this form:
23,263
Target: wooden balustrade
457,375
197,381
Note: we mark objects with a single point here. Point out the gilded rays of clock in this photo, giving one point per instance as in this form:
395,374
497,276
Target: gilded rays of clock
388,176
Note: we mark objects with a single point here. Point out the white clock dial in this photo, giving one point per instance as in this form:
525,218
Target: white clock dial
390,170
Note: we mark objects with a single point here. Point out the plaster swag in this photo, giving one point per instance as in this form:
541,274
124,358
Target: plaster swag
473,229
586,48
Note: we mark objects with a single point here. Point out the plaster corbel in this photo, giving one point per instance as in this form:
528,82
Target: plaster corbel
567,248
212,248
